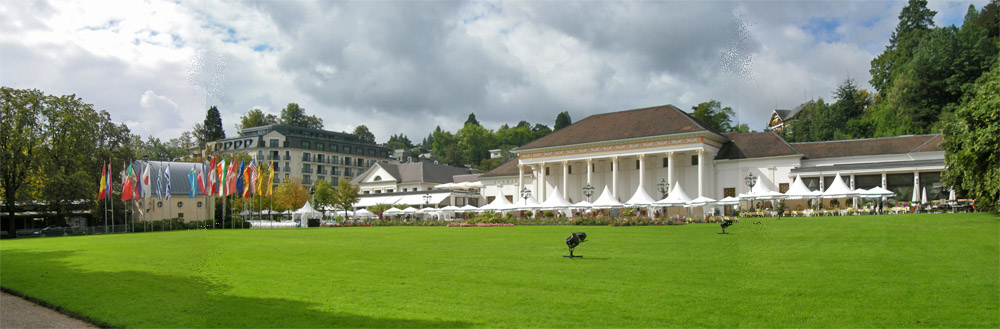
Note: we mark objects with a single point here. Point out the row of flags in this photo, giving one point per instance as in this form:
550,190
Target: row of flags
222,180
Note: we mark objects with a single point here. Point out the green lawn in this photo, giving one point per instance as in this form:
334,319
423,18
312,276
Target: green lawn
863,271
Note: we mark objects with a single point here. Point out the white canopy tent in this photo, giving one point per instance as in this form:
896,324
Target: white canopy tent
499,203
468,208
364,213
582,204
838,189
700,201
529,203
409,211
555,201
640,198
676,197
392,212
875,192
606,200
798,190
760,191
304,214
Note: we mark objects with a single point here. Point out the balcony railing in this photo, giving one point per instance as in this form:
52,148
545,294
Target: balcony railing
306,170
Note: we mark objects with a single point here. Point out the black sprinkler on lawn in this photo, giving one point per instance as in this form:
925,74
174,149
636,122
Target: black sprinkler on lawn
725,224
575,240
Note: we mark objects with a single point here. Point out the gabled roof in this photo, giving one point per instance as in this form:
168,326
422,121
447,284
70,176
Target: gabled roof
870,146
419,172
509,168
754,145
785,115
645,122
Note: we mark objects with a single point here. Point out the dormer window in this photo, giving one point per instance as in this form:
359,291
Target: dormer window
377,178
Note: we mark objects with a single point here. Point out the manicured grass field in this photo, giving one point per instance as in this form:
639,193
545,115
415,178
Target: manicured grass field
862,271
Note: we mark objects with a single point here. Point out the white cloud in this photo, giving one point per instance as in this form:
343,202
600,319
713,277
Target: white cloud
405,67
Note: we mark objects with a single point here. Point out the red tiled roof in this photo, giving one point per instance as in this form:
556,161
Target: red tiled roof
871,146
755,145
509,168
645,122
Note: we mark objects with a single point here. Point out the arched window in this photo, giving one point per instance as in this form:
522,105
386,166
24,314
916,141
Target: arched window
377,178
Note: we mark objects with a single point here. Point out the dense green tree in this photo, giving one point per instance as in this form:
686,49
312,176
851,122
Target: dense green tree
346,195
445,147
256,118
914,21
972,142
472,119
293,115
539,131
324,195
211,128
562,120
399,141
364,134
53,149
714,115
474,141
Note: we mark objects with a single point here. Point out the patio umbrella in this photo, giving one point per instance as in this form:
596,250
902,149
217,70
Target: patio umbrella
923,196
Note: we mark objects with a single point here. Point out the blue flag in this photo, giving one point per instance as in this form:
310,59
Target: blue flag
159,190
239,179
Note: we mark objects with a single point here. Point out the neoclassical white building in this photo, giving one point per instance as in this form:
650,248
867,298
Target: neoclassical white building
663,146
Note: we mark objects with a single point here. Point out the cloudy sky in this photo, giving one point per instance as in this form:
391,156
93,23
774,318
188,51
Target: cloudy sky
408,66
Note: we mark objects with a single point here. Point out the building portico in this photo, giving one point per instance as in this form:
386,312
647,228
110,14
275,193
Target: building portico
676,149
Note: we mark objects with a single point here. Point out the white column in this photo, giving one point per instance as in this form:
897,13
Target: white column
541,188
916,186
822,188
701,173
520,177
614,177
565,178
642,170
852,181
670,168
590,166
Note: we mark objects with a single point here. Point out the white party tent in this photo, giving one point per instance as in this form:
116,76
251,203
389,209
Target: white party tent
676,197
700,201
304,214
364,213
529,203
555,201
798,190
409,210
875,192
582,204
606,200
838,189
640,199
392,212
499,203
728,201
468,208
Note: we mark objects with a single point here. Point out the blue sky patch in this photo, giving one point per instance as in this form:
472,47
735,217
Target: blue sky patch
823,29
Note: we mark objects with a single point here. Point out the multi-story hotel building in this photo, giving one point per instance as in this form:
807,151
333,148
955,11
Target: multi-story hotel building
305,155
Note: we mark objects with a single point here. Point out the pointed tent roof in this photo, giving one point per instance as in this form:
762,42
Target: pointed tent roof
876,192
700,201
526,204
555,201
582,204
798,190
499,203
640,198
728,201
760,190
838,189
307,209
468,208
677,197
606,200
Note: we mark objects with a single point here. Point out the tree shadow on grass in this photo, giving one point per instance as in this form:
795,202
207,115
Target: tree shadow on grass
141,299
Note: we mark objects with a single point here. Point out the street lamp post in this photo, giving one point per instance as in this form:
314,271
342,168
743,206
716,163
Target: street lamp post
749,181
525,194
588,191
663,187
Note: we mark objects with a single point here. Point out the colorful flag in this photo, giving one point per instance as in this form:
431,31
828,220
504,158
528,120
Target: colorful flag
248,180
166,177
201,183
127,190
101,194
107,188
145,181
258,178
270,180
239,179
212,179
159,188
192,179
222,177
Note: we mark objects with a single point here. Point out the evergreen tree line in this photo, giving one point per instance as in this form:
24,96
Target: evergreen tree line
924,75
